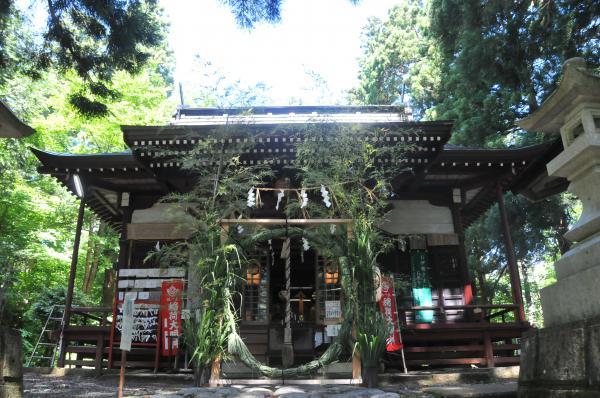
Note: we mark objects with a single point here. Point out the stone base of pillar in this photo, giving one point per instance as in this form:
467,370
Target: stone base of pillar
574,296
561,361
11,364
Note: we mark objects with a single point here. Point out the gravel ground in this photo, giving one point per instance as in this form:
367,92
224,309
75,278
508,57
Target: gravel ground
74,386
178,386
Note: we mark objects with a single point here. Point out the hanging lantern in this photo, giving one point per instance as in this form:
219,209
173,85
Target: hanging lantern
332,275
253,274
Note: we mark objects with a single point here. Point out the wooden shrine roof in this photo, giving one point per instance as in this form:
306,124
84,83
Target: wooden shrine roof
10,125
151,168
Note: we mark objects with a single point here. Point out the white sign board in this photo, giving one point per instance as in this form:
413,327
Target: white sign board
333,330
333,309
127,325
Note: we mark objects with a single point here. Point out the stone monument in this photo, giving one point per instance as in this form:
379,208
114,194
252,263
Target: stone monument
563,358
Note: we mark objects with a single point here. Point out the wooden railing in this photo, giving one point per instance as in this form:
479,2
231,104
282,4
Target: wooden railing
473,312
482,335
90,315
86,336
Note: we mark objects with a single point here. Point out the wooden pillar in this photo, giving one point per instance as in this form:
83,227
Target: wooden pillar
515,280
71,285
462,255
488,349
356,362
123,262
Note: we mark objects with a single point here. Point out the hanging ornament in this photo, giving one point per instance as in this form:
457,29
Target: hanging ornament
240,229
325,195
251,198
304,197
272,251
305,245
280,196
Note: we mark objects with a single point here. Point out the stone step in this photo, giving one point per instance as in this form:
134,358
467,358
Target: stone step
485,390
454,376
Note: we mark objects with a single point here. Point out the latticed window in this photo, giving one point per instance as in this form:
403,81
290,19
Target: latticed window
256,290
328,290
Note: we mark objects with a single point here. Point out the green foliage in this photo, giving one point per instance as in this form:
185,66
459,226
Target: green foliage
41,307
371,347
37,215
207,332
502,59
401,60
485,65
92,39
250,12
208,87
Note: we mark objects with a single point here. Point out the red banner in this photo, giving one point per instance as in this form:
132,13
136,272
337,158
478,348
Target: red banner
387,305
170,317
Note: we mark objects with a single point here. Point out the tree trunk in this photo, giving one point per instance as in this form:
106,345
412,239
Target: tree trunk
5,282
108,288
527,292
6,273
98,248
482,290
88,253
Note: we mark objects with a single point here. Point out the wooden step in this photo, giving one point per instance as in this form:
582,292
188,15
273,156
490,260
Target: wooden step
446,361
82,362
507,360
446,348
81,349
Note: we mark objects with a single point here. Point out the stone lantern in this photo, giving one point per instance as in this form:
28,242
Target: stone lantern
563,359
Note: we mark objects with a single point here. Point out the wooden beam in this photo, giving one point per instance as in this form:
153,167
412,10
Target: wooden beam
71,284
283,221
462,254
158,231
515,280
105,202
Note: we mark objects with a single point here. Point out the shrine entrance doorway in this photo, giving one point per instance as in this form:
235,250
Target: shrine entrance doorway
315,298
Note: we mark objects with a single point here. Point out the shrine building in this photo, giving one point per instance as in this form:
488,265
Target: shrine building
444,189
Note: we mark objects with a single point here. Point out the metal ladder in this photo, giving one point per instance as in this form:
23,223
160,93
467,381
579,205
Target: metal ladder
55,318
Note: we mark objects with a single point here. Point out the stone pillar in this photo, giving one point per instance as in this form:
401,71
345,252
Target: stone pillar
563,358
11,364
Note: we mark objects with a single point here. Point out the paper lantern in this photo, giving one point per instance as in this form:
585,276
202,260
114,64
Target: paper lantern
253,274
332,275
